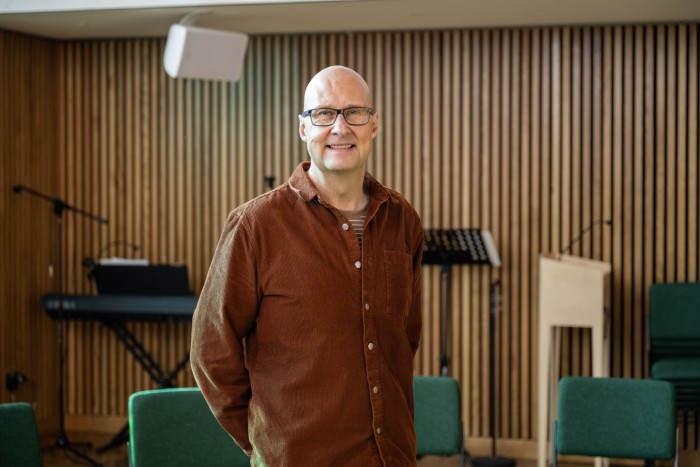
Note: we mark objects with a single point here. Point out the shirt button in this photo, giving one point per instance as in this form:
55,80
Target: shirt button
366,306
346,226
375,389
379,431
358,264
370,346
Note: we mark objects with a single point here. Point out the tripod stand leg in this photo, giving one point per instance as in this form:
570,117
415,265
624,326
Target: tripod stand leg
118,439
63,443
82,456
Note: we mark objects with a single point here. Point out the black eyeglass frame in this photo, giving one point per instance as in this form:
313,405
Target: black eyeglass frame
307,113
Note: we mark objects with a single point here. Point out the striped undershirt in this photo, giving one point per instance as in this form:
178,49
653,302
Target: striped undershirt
357,220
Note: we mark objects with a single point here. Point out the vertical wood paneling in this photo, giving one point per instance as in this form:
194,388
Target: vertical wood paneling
693,129
523,248
530,133
624,244
29,155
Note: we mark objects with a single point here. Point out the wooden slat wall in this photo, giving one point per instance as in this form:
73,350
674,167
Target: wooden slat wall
28,157
530,133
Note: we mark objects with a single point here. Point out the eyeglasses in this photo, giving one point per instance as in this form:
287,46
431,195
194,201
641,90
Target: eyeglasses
327,117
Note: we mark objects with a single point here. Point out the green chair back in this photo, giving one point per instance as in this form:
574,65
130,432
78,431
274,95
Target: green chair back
674,339
616,417
174,427
19,438
437,416
674,316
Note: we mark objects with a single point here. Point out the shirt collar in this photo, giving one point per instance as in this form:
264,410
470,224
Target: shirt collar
302,185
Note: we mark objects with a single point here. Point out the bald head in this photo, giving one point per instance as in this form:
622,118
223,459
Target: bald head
335,81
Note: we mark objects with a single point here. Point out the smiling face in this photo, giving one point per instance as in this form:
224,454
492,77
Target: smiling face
340,147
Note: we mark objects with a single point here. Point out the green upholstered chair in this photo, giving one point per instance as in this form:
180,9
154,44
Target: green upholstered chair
615,417
674,339
438,419
174,427
19,438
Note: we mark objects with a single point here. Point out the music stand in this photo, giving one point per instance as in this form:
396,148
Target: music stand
475,247
449,247
59,207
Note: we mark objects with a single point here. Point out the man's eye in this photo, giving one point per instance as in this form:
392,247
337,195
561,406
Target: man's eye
325,113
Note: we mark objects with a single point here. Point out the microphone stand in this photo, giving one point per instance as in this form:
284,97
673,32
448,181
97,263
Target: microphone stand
584,232
493,460
59,207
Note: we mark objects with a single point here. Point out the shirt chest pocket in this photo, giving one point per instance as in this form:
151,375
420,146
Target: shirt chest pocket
399,282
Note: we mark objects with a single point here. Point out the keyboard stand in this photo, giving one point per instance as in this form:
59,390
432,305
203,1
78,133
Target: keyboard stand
162,378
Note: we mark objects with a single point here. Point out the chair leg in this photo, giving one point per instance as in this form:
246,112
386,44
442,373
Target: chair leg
463,455
675,459
462,452
554,444
648,463
465,459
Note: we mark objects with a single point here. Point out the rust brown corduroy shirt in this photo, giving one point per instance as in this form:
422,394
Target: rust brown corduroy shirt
301,343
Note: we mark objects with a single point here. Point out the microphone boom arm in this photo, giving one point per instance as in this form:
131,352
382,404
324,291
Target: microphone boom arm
58,204
584,232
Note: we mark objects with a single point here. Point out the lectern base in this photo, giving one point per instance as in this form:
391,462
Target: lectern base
493,461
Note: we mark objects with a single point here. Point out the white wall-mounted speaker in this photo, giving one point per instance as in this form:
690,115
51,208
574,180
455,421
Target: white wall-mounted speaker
193,52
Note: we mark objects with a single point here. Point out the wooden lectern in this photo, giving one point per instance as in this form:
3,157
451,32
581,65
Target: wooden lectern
573,292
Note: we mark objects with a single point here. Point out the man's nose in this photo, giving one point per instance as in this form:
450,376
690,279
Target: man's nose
341,126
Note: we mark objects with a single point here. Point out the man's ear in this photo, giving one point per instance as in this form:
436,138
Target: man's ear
302,129
375,124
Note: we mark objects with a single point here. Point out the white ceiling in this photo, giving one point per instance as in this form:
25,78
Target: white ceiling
82,19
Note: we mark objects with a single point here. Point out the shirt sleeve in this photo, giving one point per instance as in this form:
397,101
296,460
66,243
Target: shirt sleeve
225,313
414,322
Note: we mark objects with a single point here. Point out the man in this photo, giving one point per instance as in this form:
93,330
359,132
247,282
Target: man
307,325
